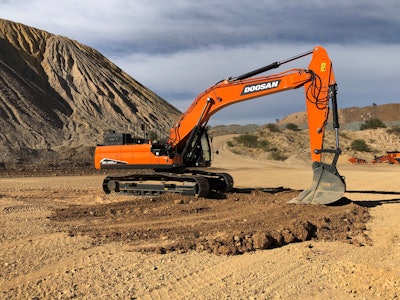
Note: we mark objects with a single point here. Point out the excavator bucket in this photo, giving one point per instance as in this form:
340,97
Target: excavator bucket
327,187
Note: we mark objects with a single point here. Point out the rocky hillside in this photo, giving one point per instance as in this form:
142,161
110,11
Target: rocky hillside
351,118
276,142
270,142
56,94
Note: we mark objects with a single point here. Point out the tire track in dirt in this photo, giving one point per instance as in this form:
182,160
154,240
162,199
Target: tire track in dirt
307,273
49,249
56,266
20,221
222,276
290,272
208,276
24,208
191,281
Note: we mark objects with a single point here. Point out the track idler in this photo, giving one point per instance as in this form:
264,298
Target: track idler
327,187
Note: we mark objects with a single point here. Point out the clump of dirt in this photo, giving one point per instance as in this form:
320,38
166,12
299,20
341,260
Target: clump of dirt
241,222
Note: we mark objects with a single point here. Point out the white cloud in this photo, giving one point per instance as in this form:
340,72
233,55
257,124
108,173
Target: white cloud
179,48
365,74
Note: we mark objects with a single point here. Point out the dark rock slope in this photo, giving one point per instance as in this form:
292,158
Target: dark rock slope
57,93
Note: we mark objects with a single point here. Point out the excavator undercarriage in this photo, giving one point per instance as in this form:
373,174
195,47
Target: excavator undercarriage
190,183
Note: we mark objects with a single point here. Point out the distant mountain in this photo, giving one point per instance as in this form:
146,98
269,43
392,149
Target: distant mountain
57,93
351,118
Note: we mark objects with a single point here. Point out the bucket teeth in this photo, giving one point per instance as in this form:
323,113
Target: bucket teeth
327,187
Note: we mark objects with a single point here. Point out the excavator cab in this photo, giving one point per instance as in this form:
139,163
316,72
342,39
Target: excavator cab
197,153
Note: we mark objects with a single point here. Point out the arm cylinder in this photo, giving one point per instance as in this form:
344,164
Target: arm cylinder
333,92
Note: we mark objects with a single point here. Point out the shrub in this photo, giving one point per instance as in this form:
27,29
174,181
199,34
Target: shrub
394,130
230,144
292,126
372,124
277,155
360,145
263,144
252,141
273,128
248,140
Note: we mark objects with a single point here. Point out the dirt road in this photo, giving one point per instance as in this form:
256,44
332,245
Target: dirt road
62,238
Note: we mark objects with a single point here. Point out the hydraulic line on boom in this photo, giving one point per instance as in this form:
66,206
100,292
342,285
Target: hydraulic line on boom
188,144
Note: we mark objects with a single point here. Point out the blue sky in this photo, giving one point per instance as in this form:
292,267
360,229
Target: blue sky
179,48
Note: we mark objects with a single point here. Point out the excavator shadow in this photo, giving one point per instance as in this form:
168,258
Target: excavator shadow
220,196
341,202
265,190
374,203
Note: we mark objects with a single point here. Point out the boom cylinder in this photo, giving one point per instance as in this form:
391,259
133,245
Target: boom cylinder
274,65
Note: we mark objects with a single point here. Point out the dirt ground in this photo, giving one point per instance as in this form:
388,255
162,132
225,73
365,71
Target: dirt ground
61,237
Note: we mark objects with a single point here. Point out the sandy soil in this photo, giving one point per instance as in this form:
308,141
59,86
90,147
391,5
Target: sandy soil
62,238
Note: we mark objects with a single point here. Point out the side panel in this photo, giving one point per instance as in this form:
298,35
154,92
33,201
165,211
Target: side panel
130,156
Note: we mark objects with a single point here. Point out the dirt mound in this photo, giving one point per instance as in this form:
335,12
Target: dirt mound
243,221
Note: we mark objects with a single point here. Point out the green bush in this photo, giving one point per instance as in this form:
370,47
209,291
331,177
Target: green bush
360,145
263,144
230,144
273,128
372,124
248,140
292,126
394,130
277,155
252,141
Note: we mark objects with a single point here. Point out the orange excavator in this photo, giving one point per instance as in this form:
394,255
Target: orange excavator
391,157
179,164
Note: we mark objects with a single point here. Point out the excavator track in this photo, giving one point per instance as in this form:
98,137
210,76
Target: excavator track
196,183
219,182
